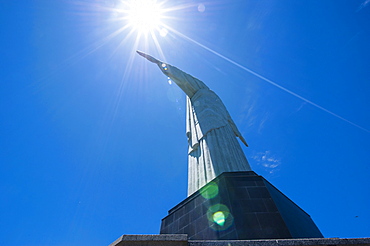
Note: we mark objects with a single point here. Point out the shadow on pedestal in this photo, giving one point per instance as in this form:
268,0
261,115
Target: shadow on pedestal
239,206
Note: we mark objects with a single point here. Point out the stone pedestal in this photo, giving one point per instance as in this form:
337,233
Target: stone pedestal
239,206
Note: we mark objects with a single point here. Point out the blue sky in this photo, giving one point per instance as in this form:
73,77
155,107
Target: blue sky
93,141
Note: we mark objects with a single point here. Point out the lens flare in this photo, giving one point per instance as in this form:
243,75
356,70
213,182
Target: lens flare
219,217
209,191
164,66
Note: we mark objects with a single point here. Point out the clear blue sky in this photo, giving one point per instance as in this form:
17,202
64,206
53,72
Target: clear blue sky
93,141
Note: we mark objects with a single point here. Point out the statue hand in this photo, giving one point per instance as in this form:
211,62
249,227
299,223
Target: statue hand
148,57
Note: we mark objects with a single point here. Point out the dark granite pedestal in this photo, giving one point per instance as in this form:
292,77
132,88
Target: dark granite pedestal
239,206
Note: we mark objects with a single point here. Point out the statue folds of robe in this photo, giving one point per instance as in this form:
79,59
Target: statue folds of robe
213,147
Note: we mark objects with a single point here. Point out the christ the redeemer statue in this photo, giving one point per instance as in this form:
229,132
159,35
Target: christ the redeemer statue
213,147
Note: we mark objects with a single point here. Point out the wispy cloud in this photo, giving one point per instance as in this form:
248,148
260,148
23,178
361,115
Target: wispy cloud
253,117
249,117
267,160
363,5
262,122
301,106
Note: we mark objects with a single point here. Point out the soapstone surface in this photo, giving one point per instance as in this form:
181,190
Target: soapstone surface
211,132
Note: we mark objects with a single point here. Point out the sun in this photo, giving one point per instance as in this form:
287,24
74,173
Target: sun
144,16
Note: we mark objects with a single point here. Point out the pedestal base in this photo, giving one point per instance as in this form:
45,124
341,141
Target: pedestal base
239,206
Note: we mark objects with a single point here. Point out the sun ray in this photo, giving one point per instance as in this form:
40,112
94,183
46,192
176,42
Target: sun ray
143,31
94,46
123,41
266,79
179,7
124,79
158,46
81,54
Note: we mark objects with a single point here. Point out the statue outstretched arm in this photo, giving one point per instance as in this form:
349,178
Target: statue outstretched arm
149,57
189,84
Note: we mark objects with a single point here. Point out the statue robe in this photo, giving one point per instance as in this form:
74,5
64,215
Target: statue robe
213,147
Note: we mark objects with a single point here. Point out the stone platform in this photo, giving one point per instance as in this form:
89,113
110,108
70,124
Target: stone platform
181,240
239,206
